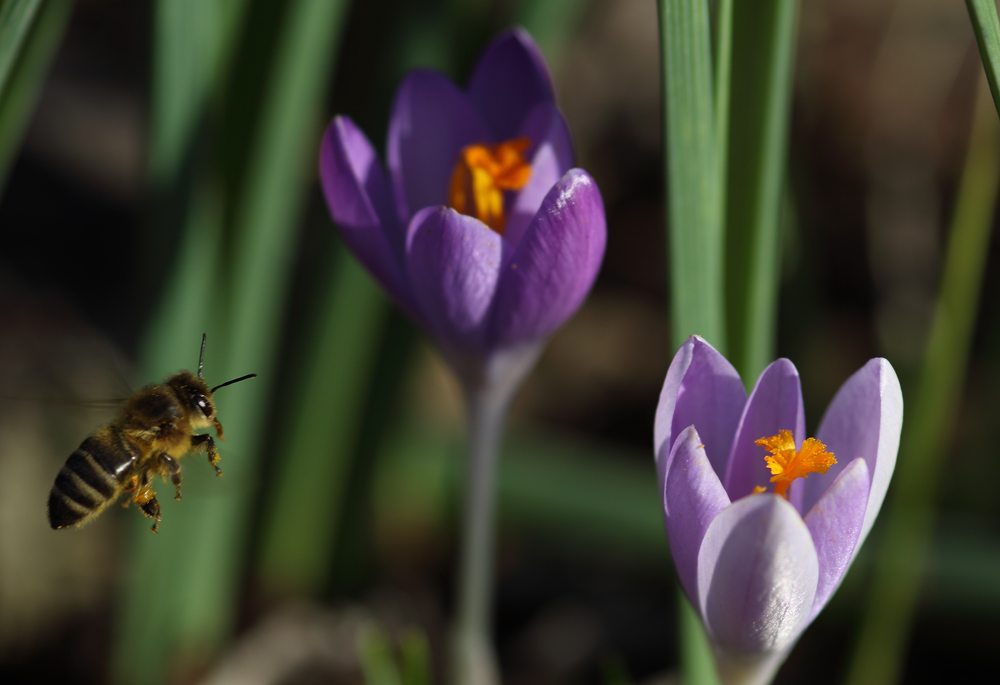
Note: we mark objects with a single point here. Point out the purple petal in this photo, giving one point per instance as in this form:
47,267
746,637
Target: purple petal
757,574
863,420
701,389
358,198
835,524
453,263
554,266
432,120
510,79
551,157
775,404
692,498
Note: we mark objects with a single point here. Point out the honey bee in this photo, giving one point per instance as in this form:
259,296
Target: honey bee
154,428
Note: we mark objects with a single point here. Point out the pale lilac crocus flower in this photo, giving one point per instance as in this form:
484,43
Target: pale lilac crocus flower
756,566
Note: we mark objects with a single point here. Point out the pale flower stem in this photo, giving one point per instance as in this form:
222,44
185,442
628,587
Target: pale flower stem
473,658
756,669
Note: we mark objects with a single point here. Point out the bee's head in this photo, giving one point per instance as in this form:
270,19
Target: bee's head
196,393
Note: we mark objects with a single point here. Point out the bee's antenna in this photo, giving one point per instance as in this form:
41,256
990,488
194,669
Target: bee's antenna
235,380
201,357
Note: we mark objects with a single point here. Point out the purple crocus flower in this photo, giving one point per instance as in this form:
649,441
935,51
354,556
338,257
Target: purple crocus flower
481,230
759,567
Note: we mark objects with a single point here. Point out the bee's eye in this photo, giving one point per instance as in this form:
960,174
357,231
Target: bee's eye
202,403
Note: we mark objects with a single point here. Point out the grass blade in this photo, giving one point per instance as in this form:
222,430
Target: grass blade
986,24
415,658
763,47
909,517
378,660
146,621
300,533
26,74
16,17
267,210
193,40
694,208
723,86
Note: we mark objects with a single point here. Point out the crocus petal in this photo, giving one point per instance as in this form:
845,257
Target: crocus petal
835,524
432,120
692,498
553,267
775,404
356,193
863,420
453,262
508,81
757,575
551,156
702,389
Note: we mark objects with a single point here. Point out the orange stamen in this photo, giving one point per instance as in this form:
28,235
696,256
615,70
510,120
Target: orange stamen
787,464
482,173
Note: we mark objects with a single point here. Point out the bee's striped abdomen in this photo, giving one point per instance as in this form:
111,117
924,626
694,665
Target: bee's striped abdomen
91,479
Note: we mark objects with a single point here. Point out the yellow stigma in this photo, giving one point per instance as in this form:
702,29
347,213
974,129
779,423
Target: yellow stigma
786,464
482,173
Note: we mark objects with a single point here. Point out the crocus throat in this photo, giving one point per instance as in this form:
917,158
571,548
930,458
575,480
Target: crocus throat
787,464
482,173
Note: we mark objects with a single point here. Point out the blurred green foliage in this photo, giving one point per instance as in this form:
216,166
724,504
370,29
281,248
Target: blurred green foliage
30,34
16,19
380,664
232,278
909,517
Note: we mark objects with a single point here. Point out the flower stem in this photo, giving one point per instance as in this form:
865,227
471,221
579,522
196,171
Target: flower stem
473,659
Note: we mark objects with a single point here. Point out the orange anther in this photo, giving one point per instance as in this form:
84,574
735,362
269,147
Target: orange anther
482,173
787,464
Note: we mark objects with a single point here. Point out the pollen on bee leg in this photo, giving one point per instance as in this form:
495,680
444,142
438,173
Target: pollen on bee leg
143,494
786,463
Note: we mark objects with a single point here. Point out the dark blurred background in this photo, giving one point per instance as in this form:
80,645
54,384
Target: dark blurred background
883,101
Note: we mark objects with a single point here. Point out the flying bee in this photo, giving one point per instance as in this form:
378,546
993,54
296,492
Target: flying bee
154,428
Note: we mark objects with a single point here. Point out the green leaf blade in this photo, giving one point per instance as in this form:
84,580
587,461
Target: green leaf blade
694,216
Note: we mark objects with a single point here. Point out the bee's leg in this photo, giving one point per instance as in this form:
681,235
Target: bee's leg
151,509
146,500
169,467
213,454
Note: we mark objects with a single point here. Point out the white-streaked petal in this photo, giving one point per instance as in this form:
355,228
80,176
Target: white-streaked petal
757,576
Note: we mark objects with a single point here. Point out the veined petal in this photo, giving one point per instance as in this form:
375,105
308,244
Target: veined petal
358,198
835,525
757,575
551,157
692,497
863,420
554,266
775,404
432,120
453,262
509,80
701,389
